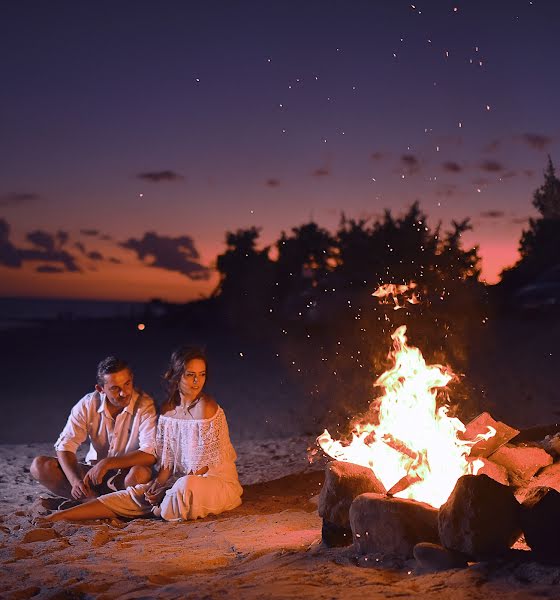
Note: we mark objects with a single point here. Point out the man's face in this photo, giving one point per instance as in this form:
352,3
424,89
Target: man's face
118,388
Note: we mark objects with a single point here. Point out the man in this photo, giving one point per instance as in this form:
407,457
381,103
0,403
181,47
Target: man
120,424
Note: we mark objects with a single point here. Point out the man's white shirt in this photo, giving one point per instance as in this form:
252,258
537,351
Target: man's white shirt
134,428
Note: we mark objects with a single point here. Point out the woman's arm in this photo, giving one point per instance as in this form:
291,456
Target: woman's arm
163,476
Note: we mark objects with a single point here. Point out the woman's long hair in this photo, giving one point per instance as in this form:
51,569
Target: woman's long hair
174,373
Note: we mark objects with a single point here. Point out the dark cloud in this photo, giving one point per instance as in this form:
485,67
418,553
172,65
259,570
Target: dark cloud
452,167
449,140
529,172
174,254
493,146
492,214
114,260
378,155
159,176
80,247
509,174
106,237
90,232
537,141
272,182
16,198
491,166
321,172
49,248
9,254
49,269
411,163
94,255
446,190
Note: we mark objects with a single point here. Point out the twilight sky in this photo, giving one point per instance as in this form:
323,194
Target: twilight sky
134,134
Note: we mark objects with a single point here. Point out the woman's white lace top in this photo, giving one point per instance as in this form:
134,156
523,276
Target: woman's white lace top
188,445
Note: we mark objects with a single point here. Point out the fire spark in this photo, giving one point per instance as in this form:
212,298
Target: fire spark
414,448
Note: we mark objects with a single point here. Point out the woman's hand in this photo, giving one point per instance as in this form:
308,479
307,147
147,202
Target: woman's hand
155,493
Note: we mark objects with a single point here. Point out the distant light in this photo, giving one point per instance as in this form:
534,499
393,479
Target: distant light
141,326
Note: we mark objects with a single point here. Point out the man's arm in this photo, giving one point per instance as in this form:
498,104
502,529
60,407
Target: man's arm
69,465
95,475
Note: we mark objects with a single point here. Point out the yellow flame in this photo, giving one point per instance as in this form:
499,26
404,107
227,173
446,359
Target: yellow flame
393,291
413,438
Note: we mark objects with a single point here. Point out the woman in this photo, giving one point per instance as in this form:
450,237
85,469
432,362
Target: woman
197,474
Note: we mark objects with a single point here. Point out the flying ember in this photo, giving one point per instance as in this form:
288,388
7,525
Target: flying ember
413,448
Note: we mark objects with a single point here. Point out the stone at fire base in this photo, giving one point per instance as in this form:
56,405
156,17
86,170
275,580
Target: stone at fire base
433,557
391,526
343,482
541,523
494,471
521,462
548,477
481,518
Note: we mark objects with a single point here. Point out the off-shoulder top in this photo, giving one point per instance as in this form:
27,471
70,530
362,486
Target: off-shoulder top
188,445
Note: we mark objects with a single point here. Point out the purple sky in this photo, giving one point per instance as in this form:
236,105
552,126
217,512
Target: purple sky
189,119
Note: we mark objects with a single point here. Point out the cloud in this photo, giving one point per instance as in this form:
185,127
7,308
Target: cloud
509,174
411,163
446,190
491,166
452,167
174,254
9,255
493,146
378,155
492,214
49,248
17,198
90,232
321,172
536,141
94,255
49,269
272,182
114,260
529,172
159,176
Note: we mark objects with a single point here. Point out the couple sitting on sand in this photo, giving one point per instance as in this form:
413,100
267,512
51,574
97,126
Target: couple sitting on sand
195,474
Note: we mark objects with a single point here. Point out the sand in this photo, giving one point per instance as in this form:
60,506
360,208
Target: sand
270,547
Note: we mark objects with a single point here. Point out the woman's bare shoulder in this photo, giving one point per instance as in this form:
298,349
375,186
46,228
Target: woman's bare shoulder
208,407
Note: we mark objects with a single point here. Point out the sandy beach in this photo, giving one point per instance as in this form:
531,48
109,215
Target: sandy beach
270,547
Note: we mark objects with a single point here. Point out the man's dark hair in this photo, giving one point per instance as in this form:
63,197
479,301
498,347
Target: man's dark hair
108,365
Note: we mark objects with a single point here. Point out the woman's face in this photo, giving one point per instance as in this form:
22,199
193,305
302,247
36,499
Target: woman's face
193,379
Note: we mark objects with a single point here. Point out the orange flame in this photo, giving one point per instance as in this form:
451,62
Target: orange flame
415,443
393,290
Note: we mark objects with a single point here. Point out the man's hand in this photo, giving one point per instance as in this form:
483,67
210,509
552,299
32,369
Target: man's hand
80,490
155,493
95,475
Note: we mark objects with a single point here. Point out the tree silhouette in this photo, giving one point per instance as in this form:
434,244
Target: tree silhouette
539,246
246,274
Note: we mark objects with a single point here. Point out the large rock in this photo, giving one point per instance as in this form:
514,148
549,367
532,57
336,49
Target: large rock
548,477
541,523
494,471
433,557
391,526
521,462
343,482
481,518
